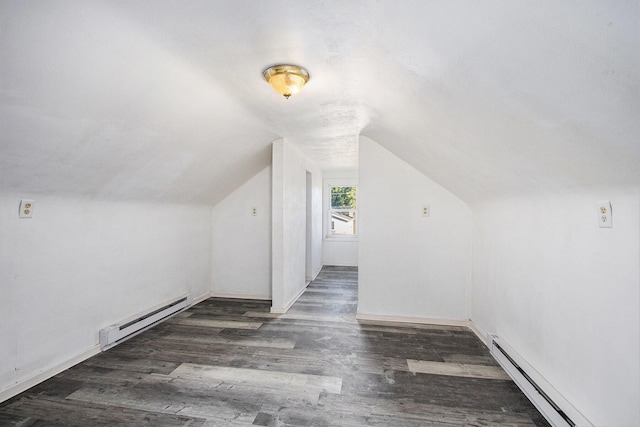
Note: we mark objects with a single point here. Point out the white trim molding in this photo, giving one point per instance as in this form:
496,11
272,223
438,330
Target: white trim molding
201,298
233,295
283,310
26,384
45,374
409,319
467,323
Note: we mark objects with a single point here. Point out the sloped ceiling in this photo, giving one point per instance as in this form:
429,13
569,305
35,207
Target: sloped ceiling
164,100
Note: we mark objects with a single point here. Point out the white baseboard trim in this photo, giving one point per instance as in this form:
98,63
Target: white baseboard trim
283,310
468,323
481,335
201,298
313,275
216,294
417,320
44,375
36,379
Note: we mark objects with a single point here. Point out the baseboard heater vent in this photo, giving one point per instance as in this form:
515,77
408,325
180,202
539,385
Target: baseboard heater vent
555,408
115,334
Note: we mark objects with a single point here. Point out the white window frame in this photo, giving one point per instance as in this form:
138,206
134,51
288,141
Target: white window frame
328,183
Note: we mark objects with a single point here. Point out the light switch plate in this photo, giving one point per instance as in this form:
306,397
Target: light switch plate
605,217
26,208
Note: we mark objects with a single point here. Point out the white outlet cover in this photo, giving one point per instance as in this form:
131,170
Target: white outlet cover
26,208
605,215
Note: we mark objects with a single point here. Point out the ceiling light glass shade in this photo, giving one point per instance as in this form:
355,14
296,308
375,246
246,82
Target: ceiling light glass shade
286,79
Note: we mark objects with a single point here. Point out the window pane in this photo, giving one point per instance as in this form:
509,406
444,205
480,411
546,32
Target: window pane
343,223
343,197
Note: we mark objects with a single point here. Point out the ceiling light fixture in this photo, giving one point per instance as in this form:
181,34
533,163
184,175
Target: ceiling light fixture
286,79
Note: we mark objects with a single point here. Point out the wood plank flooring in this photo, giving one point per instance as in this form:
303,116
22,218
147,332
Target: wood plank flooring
231,362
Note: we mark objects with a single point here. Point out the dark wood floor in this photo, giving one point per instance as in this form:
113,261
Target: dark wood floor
231,362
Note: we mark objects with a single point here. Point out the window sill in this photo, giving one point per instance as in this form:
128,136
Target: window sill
343,239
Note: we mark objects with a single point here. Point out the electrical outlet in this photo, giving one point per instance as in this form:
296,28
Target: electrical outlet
426,211
26,208
605,217
254,211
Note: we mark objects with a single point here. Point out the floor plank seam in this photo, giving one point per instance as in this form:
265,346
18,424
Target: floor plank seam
227,362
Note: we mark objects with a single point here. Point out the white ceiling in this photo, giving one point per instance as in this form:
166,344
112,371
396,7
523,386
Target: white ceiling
164,100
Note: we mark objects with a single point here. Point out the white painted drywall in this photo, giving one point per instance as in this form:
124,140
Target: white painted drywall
340,252
118,99
80,265
410,265
316,218
289,178
565,294
350,173
242,241
97,105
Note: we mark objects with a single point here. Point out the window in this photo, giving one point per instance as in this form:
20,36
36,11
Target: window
342,211
339,221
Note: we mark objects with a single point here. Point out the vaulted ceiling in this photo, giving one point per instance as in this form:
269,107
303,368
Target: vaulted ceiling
165,100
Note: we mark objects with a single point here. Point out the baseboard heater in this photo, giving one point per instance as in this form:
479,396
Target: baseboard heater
555,408
115,334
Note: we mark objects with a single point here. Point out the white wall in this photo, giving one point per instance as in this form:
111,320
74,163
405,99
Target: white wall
565,294
316,220
242,241
80,265
410,265
289,177
338,251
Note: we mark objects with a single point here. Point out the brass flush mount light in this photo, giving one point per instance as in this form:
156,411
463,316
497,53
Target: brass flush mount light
286,79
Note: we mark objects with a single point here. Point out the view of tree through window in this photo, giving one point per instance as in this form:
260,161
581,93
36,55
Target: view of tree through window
343,197
343,211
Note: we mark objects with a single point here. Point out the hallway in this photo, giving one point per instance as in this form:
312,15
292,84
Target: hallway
231,362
